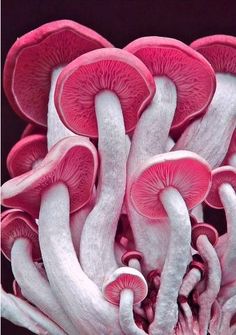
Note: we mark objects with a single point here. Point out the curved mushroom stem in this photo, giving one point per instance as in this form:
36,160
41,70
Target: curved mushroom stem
206,299
22,314
226,292
98,237
176,262
77,222
135,264
188,314
77,294
198,213
149,139
126,316
216,318
35,288
228,261
189,282
228,310
56,129
213,145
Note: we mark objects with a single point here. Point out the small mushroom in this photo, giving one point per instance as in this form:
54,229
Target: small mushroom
126,287
222,195
168,185
132,259
204,237
26,154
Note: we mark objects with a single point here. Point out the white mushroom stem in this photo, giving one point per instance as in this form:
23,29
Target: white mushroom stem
79,296
232,330
210,136
98,237
228,310
189,282
207,298
216,318
149,139
226,292
228,261
126,316
176,262
77,222
188,314
135,264
22,314
35,288
232,160
198,213
56,129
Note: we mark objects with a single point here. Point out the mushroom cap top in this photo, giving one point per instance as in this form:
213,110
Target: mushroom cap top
110,69
221,175
204,229
32,129
32,58
18,224
192,75
183,170
25,153
125,278
219,50
72,161
132,254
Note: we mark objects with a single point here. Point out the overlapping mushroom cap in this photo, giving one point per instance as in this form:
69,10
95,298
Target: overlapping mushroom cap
219,50
72,161
17,224
32,58
184,170
191,73
204,229
108,69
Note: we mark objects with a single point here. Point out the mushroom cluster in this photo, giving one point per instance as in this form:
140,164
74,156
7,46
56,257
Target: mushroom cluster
123,152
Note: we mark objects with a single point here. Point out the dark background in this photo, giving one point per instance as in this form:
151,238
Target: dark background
120,22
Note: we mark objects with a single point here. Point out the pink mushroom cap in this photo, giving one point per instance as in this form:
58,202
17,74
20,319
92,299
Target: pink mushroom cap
204,229
32,129
31,59
125,278
72,161
18,224
219,50
192,75
221,175
183,170
132,254
25,153
106,69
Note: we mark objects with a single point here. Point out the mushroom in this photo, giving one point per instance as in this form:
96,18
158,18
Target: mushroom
222,195
70,166
204,237
179,98
32,129
26,154
201,136
168,185
126,287
103,93
23,314
19,235
33,65
132,259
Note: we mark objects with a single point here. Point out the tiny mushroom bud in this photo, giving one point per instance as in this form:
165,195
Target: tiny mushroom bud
222,195
204,238
126,287
168,185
